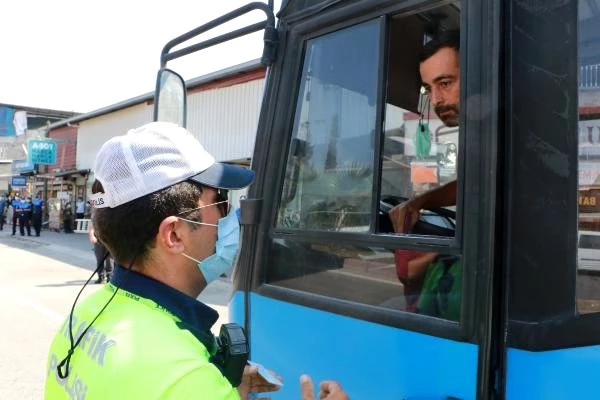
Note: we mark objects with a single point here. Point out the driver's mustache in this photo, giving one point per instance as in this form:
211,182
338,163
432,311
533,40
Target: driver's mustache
444,108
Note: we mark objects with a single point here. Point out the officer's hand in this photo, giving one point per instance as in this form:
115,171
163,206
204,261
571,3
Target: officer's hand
330,390
252,382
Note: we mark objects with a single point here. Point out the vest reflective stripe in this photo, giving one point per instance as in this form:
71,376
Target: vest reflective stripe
134,350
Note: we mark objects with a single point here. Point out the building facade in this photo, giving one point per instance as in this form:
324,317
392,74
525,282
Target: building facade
19,125
223,112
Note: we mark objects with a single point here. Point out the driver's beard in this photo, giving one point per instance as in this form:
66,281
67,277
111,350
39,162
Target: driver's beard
450,119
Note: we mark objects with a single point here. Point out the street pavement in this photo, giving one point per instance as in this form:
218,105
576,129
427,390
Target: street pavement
39,280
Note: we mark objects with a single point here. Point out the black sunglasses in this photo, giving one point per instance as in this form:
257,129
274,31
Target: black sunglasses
222,201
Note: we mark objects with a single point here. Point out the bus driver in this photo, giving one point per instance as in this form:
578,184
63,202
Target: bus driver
440,76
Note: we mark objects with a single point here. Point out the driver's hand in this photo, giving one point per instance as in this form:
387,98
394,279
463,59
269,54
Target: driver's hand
329,390
404,216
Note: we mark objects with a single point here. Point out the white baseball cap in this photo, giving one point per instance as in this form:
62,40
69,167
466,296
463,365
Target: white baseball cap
155,156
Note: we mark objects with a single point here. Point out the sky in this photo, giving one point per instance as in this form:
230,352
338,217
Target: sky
74,55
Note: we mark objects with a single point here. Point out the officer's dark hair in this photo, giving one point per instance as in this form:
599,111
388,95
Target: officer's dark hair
129,230
449,38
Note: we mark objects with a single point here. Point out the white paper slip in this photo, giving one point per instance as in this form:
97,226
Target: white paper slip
265,373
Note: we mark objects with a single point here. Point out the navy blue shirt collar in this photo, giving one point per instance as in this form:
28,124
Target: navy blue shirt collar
195,315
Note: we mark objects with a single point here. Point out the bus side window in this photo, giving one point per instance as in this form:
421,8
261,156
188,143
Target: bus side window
329,175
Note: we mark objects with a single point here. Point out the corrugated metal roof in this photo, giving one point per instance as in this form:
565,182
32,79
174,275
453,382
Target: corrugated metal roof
40,112
244,67
225,119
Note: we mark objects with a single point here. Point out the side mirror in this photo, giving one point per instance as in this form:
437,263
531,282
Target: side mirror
170,102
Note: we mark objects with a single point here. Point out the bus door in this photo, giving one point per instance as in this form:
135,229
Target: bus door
324,284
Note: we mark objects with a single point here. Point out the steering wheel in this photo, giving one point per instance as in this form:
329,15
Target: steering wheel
434,221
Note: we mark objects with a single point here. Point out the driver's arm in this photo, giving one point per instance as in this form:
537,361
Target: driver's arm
405,215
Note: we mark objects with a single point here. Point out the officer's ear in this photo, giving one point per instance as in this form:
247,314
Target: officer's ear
170,233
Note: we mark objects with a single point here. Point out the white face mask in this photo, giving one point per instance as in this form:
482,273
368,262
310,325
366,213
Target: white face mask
227,246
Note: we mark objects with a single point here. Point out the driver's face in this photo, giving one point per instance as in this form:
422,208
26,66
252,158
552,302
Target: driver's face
441,78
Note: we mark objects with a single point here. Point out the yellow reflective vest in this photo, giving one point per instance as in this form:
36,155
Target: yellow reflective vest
147,344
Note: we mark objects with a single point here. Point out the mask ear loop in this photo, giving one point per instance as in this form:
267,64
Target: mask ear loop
422,110
63,367
428,102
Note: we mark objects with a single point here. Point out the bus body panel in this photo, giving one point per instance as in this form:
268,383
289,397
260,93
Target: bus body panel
387,362
558,374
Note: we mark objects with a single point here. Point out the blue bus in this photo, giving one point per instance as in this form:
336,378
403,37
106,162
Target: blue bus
349,129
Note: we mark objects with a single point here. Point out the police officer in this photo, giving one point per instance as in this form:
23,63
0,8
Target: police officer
38,212
25,216
162,215
15,205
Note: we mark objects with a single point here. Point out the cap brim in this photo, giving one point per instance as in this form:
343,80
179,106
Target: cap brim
225,176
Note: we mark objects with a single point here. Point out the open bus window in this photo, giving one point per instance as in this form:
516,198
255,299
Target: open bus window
343,102
588,260
420,149
329,175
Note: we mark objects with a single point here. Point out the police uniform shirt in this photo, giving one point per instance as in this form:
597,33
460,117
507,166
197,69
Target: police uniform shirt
37,206
17,206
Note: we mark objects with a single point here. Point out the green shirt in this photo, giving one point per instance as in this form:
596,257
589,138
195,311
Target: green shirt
139,347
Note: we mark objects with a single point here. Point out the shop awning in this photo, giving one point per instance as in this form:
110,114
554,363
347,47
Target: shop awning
59,174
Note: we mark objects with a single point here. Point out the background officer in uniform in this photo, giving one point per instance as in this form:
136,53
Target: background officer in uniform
15,206
38,212
25,217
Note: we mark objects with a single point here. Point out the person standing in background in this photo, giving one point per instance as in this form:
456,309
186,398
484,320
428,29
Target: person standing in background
25,218
68,217
79,208
104,265
14,209
3,207
38,212
103,262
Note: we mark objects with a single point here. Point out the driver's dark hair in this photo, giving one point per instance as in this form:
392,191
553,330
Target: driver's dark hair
449,38
129,230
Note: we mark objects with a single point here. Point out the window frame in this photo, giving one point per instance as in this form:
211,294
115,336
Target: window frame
297,36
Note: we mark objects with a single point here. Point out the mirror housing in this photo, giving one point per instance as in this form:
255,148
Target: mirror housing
170,101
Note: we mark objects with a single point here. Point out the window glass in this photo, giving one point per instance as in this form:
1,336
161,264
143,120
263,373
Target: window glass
588,278
404,280
332,172
329,175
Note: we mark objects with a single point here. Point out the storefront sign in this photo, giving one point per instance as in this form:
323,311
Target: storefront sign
42,151
589,201
21,166
18,182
